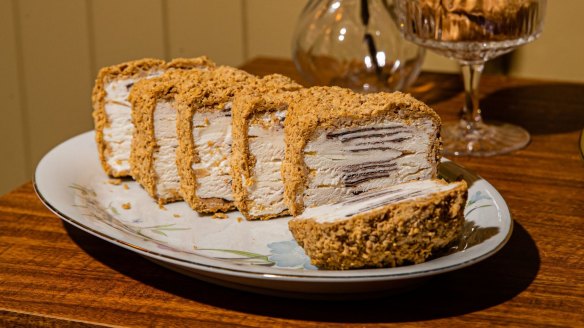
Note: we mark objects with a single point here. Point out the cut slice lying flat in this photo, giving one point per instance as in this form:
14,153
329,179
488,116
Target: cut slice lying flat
389,227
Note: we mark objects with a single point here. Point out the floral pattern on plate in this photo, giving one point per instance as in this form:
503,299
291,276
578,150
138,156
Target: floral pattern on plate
281,253
159,228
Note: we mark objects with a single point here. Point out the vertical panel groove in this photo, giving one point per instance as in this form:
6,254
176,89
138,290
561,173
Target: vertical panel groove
244,30
165,29
24,117
91,37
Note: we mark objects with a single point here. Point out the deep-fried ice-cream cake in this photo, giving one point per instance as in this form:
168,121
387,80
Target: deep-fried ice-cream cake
393,226
339,143
112,109
258,147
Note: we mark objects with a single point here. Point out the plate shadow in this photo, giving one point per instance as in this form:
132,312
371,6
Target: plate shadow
480,286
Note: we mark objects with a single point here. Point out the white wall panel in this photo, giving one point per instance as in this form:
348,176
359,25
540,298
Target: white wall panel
56,71
559,53
13,168
126,30
270,26
212,28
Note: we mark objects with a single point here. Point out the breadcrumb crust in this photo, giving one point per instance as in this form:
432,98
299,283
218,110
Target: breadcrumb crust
252,103
388,236
320,108
211,92
130,69
144,97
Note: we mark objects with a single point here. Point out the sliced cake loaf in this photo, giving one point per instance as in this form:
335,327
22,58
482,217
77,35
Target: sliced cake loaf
339,144
402,224
155,141
204,131
112,110
258,148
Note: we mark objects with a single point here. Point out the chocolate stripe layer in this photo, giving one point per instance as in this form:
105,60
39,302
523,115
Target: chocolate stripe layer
380,142
365,178
371,136
359,150
367,166
372,128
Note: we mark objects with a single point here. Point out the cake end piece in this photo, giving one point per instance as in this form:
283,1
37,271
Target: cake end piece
399,225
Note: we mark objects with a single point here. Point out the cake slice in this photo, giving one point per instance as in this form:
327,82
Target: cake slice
402,224
258,150
112,110
204,132
205,137
155,141
339,144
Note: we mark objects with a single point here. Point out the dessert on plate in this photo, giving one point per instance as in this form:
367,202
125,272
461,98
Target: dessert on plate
258,151
402,224
112,110
339,144
204,132
332,143
357,172
154,141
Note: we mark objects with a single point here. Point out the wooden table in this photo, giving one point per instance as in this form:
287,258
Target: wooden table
52,274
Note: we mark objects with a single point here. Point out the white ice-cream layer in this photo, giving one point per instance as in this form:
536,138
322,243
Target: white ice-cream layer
347,161
266,145
212,137
371,200
118,134
168,183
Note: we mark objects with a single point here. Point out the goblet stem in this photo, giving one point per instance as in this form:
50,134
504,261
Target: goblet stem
471,113
470,135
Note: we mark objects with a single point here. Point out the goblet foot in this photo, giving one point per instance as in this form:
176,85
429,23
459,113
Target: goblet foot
490,139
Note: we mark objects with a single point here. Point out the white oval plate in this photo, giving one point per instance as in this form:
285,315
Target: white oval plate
258,256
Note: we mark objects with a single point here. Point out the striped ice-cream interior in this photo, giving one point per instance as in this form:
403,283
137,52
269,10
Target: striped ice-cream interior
348,161
371,200
164,161
212,138
118,133
267,147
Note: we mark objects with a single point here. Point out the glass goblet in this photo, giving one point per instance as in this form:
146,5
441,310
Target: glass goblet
473,32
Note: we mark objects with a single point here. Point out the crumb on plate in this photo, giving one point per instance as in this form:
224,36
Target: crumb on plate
219,216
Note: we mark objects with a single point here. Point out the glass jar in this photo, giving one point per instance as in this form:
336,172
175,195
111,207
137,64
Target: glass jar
354,44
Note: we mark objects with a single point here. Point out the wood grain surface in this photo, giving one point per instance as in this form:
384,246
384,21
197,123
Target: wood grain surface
52,274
